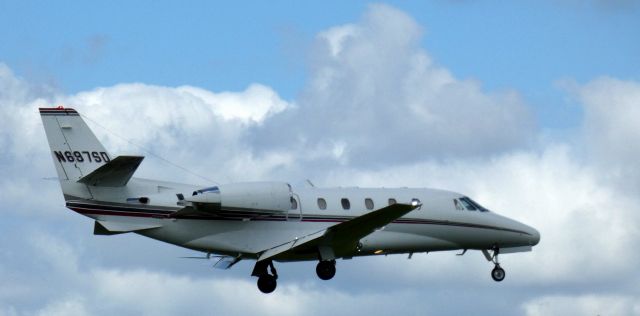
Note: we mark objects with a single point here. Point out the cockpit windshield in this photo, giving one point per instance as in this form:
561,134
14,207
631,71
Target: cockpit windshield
470,204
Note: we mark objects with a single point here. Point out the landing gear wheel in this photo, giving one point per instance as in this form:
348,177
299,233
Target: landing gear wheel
498,274
326,269
267,283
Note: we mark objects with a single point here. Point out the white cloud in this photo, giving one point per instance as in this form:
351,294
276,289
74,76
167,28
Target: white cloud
155,293
65,307
24,155
374,89
618,305
60,256
563,198
336,37
19,101
195,127
185,109
188,125
95,290
612,125
377,111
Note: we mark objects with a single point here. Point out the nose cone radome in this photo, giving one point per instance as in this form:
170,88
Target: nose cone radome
522,234
534,235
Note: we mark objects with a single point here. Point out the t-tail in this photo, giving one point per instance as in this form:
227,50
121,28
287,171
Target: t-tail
81,160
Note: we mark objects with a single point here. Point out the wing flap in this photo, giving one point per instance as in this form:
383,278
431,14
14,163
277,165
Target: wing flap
115,173
226,262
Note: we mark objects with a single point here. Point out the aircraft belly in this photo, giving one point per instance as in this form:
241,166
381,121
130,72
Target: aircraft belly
463,236
393,241
250,237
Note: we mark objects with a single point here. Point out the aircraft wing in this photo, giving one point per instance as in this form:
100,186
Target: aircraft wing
115,173
340,237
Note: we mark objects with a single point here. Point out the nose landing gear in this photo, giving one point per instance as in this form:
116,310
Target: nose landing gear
497,274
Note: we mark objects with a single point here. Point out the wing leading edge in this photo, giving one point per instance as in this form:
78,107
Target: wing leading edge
341,237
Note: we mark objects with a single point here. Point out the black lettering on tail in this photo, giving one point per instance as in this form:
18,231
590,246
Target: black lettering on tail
60,156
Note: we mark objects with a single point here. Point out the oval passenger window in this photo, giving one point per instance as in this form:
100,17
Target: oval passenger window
368,203
322,204
345,203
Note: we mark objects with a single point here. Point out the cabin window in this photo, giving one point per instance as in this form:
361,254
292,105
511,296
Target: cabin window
294,204
392,201
322,204
368,203
345,203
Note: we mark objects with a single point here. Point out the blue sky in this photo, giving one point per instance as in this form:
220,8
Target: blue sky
532,108
523,45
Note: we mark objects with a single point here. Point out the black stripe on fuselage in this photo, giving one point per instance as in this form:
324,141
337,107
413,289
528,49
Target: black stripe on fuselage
58,114
56,111
254,215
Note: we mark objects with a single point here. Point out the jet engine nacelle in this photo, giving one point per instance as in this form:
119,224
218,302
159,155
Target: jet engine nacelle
266,196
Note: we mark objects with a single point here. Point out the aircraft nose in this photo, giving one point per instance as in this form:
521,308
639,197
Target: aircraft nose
534,235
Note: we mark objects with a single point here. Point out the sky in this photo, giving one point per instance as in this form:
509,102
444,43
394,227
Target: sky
530,107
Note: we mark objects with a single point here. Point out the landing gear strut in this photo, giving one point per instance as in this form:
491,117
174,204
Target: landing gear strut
266,282
326,269
497,274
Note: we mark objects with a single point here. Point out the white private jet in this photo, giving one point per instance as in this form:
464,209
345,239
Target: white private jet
270,221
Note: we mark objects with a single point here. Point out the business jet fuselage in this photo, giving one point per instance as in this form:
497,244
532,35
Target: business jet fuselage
270,221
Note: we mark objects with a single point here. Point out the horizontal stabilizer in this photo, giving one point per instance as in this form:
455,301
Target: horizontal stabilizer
112,228
115,173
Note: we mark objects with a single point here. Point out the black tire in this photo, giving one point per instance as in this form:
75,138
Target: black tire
498,274
267,283
326,270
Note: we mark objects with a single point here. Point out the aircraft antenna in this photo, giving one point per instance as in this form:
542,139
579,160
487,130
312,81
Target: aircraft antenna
148,151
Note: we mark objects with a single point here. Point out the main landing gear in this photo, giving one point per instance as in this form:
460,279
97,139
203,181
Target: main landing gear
268,276
497,274
326,269
266,282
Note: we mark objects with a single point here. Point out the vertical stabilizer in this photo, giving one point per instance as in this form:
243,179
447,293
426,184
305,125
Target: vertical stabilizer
75,149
